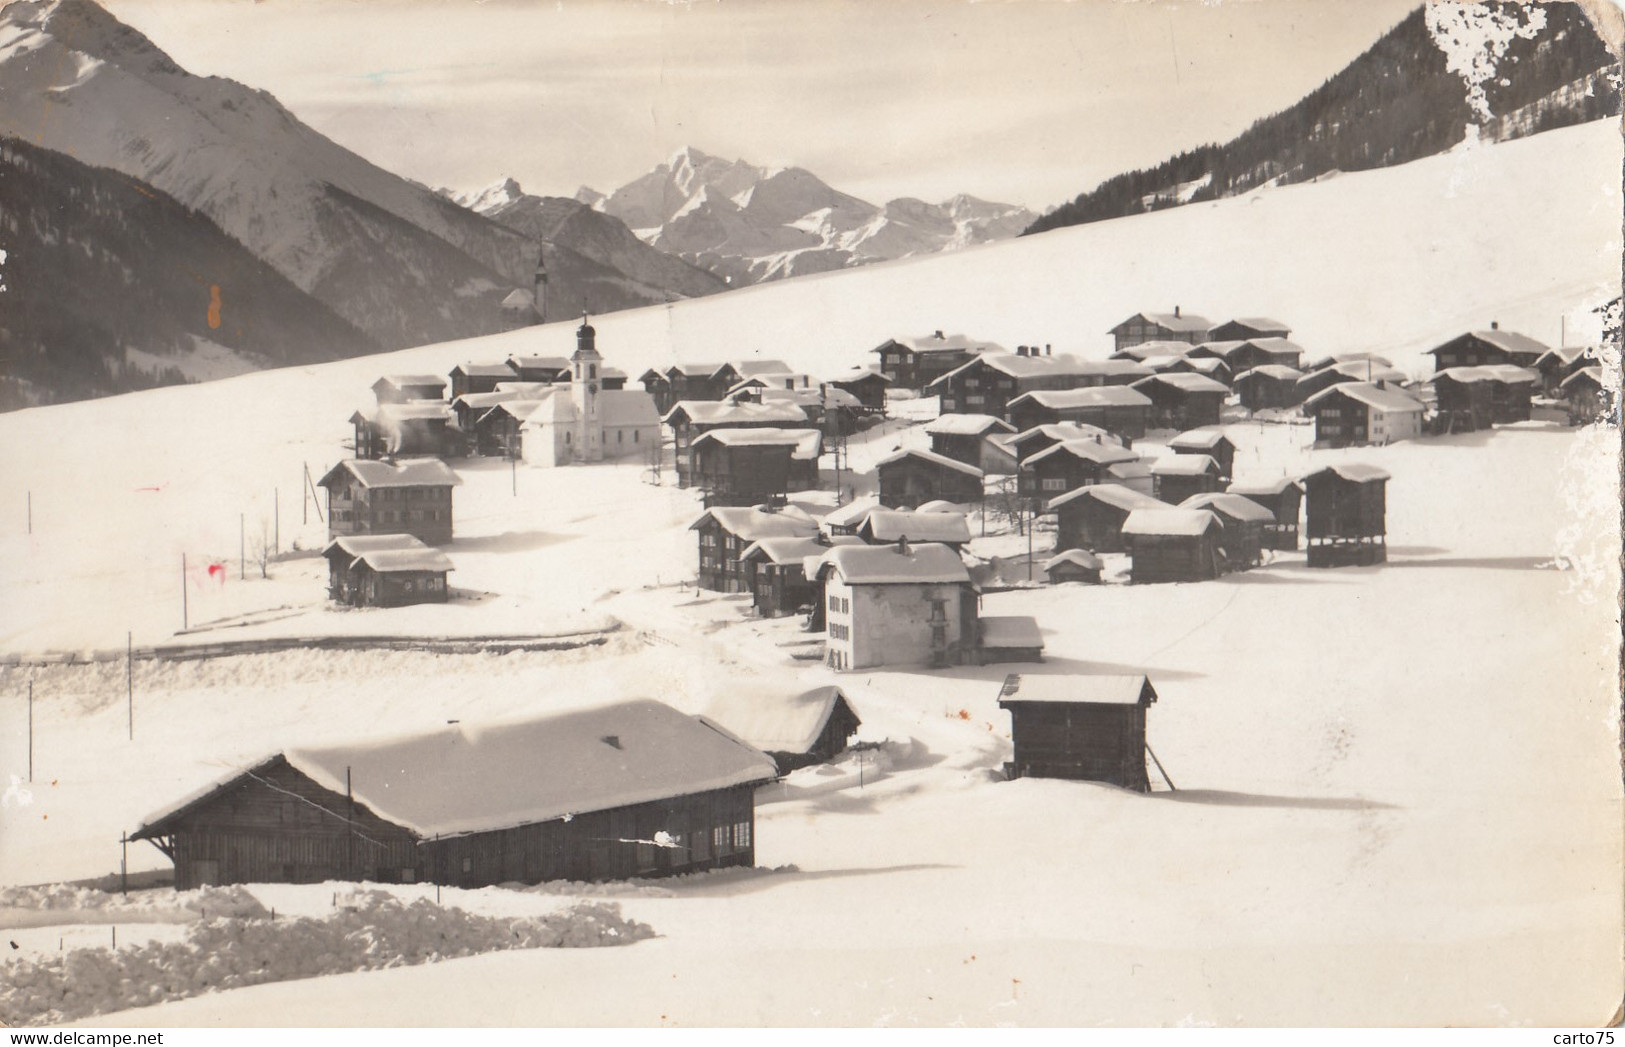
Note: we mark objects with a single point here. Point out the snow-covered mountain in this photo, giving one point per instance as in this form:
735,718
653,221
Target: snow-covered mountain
749,223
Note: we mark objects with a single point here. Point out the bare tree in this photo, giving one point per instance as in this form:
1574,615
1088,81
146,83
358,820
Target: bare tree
262,548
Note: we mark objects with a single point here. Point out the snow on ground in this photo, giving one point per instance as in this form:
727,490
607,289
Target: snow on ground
1398,790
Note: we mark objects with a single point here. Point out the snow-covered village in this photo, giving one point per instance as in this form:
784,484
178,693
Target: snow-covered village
722,601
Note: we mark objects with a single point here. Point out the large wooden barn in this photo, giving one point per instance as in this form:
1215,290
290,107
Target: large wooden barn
418,427
467,378
1118,409
1183,401
628,790
1495,346
1345,515
1473,398
1092,517
754,466
1283,497
404,388
1271,386
690,419
1083,727
1178,476
914,363
385,570
913,476
1172,545
725,532
411,497
1069,465
795,730
1242,523
964,438
1353,413
1176,326
1246,327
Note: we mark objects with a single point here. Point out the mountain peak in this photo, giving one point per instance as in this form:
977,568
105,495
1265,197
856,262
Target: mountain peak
87,27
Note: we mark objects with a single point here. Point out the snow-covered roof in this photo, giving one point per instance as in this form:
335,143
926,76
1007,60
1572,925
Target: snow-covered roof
932,457
1006,631
1259,323
783,550
1184,465
1269,487
1090,449
888,525
1176,522
777,723
554,363
356,544
1592,373
1203,364
1136,469
927,562
747,368
1356,472
1509,374
1510,341
1198,440
1017,365
414,411
937,342
1346,358
533,389
402,381
1234,506
1097,396
694,370
1181,322
1062,431
617,408
754,524
721,412
1185,382
808,396
1563,354
859,374
966,425
1279,372
939,505
1269,345
852,513
387,560
473,370
1360,370
414,472
480,401
1111,494
1080,557
1370,394
1095,689
764,437
1144,350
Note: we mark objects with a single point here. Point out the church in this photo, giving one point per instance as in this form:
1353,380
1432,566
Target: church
581,421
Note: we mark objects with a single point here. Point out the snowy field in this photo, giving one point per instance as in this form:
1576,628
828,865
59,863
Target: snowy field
1398,789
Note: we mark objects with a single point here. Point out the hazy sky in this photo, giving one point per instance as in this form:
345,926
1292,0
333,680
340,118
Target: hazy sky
1026,101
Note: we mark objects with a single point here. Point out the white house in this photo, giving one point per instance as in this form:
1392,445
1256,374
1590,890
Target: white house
901,604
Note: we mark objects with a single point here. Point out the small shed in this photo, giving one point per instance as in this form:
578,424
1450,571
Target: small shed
867,384
1073,565
1243,521
1082,727
1173,545
1178,476
796,731
1557,364
1211,442
1283,497
1585,396
1345,508
1008,638
912,476
779,584
385,570
1092,517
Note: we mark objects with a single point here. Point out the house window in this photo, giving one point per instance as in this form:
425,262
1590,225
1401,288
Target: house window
835,603
1055,483
1332,412
719,839
635,434
566,437
976,400
741,835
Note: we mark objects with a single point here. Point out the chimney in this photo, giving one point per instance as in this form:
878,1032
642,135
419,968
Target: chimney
939,335
1176,312
1495,325
1047,350
902,545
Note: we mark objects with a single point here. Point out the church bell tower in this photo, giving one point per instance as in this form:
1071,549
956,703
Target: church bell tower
585,382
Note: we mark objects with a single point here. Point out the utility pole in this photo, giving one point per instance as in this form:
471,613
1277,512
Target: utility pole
124,862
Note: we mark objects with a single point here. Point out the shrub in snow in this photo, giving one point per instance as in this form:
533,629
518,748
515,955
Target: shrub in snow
377,931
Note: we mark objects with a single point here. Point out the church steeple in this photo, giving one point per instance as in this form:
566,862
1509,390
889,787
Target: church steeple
539,289
585,382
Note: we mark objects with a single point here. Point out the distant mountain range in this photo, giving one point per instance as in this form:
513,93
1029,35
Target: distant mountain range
1395,103
746,224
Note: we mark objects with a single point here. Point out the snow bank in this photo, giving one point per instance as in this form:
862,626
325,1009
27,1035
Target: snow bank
71,902
376,931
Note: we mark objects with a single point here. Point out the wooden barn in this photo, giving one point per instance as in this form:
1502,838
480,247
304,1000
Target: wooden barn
1263,352
754,466
1473,398
1584,395
1173,545
1092,517
913,476
469,378
796,731
547,369
635,789
385,570
1183,401
867,384
1177,477
732,372
411,497
689,419
846,519
1495,346
891,526
965,438
1369,371
423,427
1242,521
1161,327
901,604
1211,442
727,531
776,567
1206,366
1345,515
1268,387
1082,727
1067,466
1008,638
1353,413
1118,409
1040,437
1557,364
914,363
1283,497
988,383
1248,327
404,388
1073,565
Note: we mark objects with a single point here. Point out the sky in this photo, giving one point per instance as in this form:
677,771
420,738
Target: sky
1020,101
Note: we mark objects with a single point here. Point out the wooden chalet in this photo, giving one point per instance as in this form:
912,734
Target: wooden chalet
988,383
1082,727
913,476
1248,327
965,438
469,378
914,363
1173,545
1092,517
1211,442
1369,371
499,429
1473,398
1495,346
1008,638
1283,497
635,789
726,532
421,427
904,604
754,466
893,526
1584,396
1178,476
470,409
1024,445
1268,387
776,569
867,384
1345,515
1354,413
385,570
1262,352
411,497
732,372
547,369
658,386
1242,522
844,520
405,388
833,410
796,731
1161,327
1120,410
1067,466
1183,401
1073,565
1557,364
1206,366
689,419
